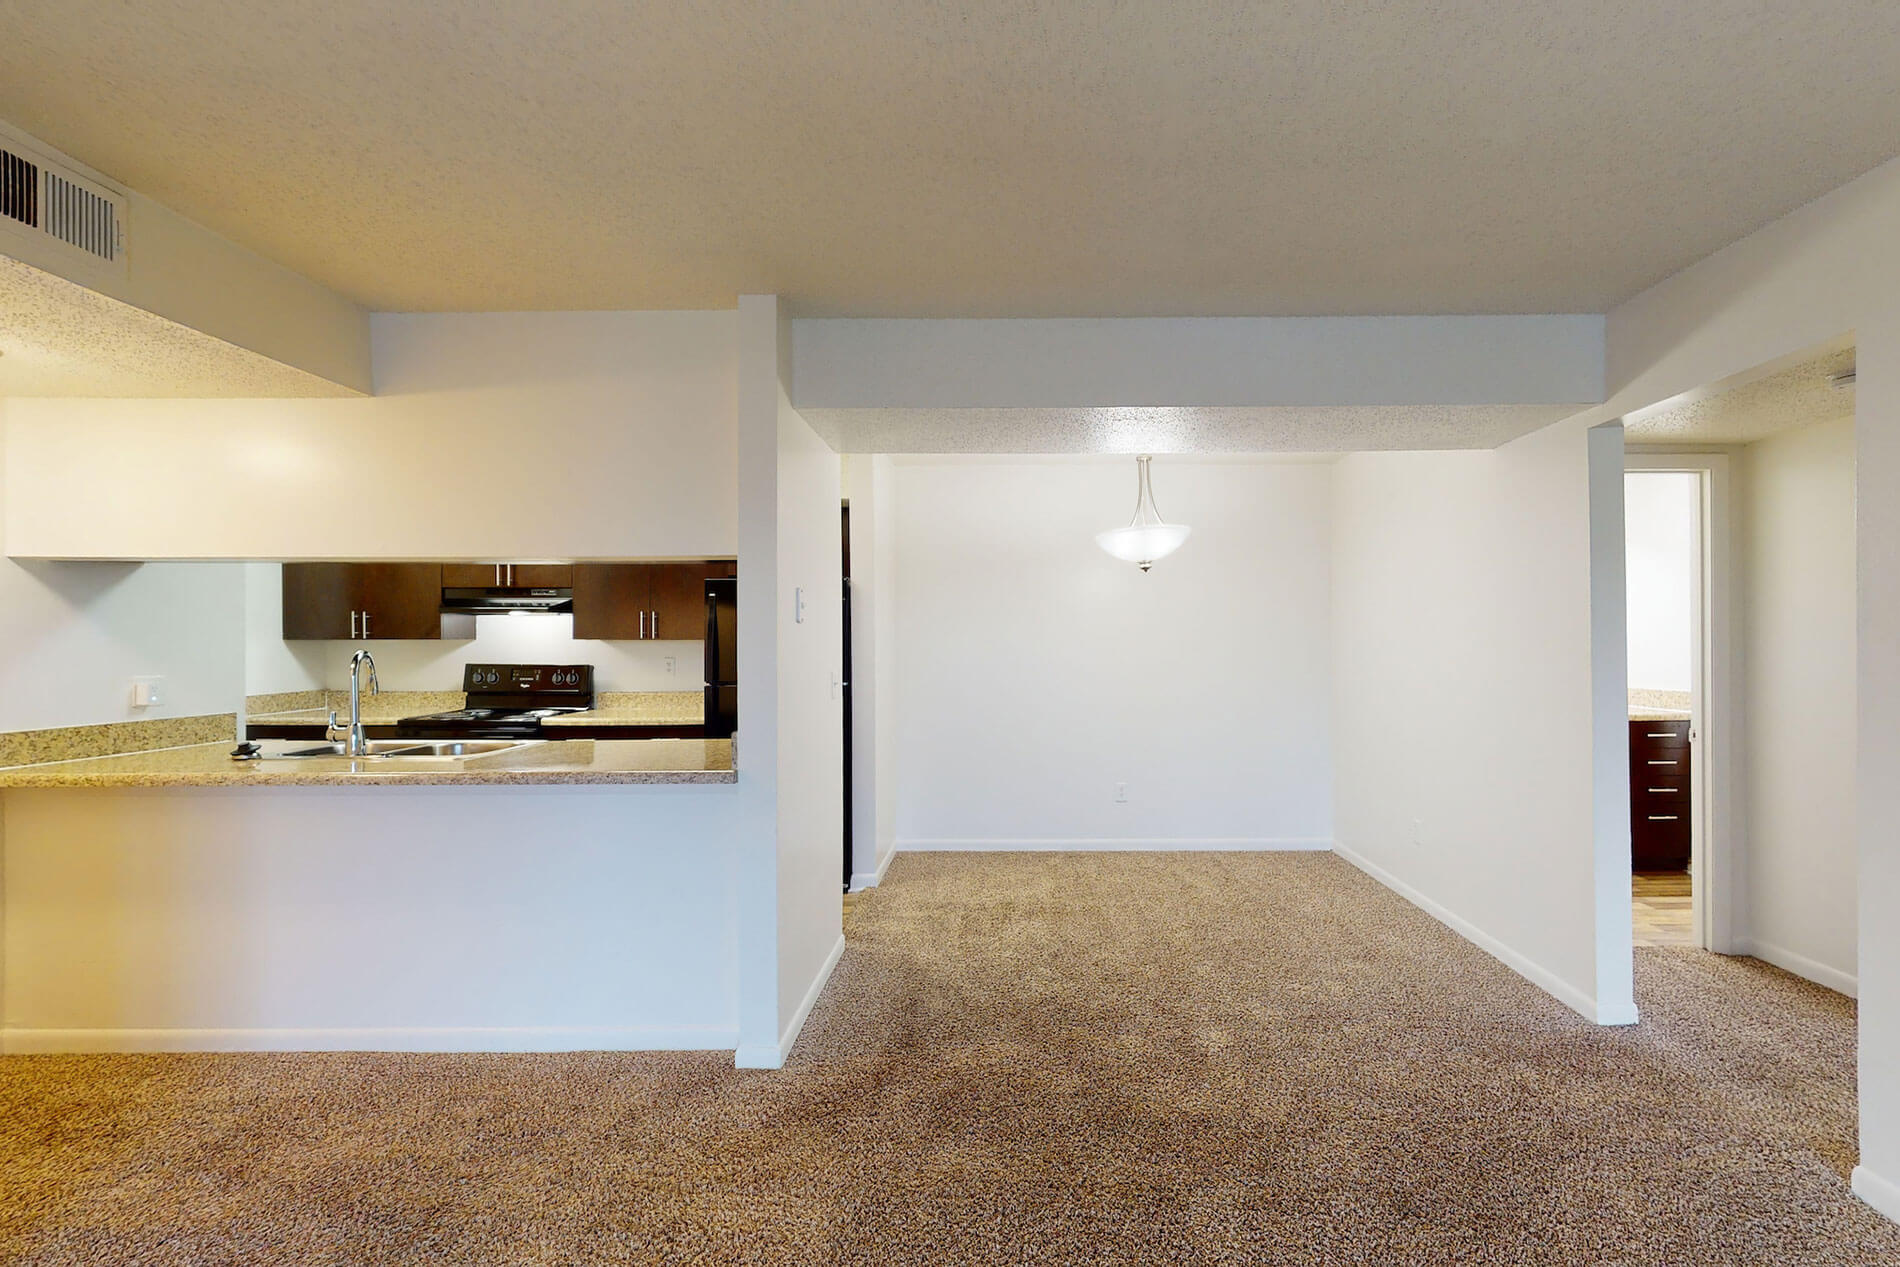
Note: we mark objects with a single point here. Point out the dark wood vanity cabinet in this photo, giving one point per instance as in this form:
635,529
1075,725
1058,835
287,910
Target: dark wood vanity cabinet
633,601
366,601
1659,795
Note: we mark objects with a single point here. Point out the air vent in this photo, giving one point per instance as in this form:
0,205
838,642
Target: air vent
19,189
46,197
79,217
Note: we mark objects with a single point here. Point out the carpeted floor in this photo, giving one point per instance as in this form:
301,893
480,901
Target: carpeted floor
1035,1058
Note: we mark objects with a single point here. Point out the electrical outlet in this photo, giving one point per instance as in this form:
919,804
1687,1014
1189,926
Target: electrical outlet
145,691
798,605
1418,832
672,664
1121,793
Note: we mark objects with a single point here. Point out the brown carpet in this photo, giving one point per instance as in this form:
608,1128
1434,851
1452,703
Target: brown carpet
1022,1059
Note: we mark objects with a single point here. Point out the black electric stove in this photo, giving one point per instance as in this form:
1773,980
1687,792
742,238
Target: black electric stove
507,701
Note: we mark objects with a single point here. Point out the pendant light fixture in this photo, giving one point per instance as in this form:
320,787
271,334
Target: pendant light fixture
1147,537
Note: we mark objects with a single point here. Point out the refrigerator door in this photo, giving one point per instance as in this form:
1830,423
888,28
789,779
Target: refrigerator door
722,631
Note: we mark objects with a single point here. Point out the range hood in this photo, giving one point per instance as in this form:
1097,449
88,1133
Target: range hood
500,600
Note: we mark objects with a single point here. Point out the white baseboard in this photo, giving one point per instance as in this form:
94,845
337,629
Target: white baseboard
1538,975
1090,844
605,1038
1802,966
763,1056
1882,1194
862,880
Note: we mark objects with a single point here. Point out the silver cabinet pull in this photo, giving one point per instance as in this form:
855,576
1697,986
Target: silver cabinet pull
366,624
656,624
1662,763
1662,818
1663,734
352,624
1662,789
643,624
498,576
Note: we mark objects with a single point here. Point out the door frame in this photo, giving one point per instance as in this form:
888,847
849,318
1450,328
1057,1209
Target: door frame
1715,817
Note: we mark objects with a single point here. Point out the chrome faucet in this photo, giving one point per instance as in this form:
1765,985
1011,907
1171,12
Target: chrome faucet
356,744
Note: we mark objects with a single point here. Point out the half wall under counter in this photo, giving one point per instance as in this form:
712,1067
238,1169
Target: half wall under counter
180,901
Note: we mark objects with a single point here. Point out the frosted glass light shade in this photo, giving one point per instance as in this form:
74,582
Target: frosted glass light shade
1142,544
1147,537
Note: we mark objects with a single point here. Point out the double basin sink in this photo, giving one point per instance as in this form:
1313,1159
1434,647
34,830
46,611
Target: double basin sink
399,749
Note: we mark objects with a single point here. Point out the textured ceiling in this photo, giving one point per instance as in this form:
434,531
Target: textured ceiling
995,157
58,338
1793,397
1276,429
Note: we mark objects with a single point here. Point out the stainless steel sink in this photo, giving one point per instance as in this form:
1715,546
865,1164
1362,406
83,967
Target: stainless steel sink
403,749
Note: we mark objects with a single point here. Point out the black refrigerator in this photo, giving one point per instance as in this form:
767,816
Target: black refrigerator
722,657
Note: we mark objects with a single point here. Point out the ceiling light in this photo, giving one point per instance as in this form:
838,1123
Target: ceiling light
1147,537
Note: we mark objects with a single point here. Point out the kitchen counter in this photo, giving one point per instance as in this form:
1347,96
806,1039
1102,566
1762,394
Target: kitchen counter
1658,714
638,708
576,761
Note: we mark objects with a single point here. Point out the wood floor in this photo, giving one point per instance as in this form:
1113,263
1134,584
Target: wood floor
1663,909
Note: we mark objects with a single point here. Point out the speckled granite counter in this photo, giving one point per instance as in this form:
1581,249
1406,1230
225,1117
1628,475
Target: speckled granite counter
1653,705
638,708
611,761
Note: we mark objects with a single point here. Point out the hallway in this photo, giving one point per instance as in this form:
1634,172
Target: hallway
1240,1057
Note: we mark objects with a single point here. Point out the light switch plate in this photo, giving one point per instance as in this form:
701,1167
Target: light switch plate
798,605
145,691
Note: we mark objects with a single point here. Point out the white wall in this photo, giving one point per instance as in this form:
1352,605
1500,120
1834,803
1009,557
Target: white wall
1797,562
459,919
870,486
790,735
1470,764
1831,267
1660,513
849,362
1037,673
615,431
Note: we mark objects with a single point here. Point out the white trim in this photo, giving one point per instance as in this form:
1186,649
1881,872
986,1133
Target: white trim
1882,1194
444,1039
1536,974
1802,966
761,1056
862,880
1116,844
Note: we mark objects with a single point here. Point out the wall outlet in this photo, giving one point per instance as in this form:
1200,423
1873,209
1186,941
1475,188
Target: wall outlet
1418,832
798,605
1121,793
672,664
145,691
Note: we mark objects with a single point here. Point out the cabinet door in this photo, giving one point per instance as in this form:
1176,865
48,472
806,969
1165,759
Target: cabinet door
610,600
319,599
540,575
469,576
677,601
400,600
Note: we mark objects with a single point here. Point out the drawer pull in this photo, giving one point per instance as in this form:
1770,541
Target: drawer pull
1662,763
1663,734
1662,789
1662,818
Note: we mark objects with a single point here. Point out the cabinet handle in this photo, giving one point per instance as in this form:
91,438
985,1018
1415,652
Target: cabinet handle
1662,789
1663,734
352,624
366,624
643,624
498,576
656,624
1662,818
1662,763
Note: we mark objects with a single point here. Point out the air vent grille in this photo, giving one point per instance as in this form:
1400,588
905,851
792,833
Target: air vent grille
19,189
78,217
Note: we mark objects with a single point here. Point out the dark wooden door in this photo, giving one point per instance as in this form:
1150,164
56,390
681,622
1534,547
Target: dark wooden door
467,576
677,601
610,600
539,575
400,600
319,600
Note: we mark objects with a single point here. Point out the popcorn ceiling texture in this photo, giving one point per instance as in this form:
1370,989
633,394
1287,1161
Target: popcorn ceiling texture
1027,1058
988,157
62,339
1259,429
1795,397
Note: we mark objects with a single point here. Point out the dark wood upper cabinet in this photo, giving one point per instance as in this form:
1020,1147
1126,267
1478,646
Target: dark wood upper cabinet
629,601
500,575
367,601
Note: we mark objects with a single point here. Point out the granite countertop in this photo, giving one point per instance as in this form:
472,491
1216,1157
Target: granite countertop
1658,714
638,708
609,761
1649,704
